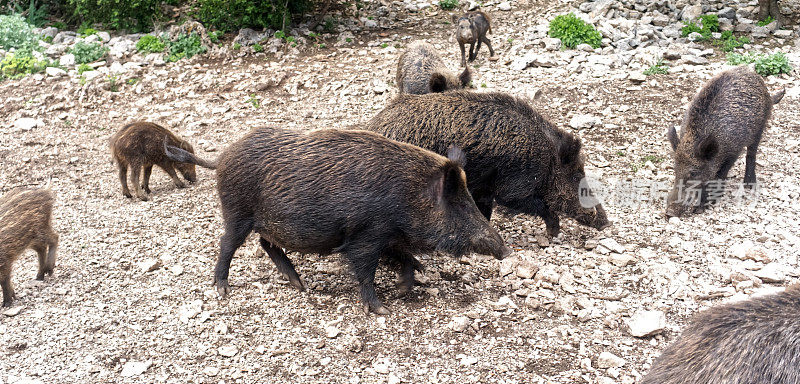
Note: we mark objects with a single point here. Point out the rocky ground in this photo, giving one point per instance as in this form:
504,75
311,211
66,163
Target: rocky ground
131,299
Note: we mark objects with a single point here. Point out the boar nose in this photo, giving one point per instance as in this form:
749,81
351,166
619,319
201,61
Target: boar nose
503,253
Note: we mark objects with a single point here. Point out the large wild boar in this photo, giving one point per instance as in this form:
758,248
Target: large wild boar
25,223
421,70
472,28
750,342
727,115
350,192
514,156
141,145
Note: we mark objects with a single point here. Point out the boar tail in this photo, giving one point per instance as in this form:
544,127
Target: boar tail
182,156
777,96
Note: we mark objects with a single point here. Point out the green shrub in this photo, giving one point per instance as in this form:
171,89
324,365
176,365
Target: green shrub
150,44
774,64
228,15
573,31
88,52
84,68
16,33
765,22
20,63
236,46
730,42
707,25
739,59
136,15
214,36
659,68
258,48
185,46
35,12
448,4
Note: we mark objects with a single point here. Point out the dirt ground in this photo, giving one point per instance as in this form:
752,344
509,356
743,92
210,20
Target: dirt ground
105,313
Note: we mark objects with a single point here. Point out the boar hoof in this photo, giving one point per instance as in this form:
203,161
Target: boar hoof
379,310
297,283
127,194
40,276
553,231
7,303
144,198
180,185
146,189
699,209
223,289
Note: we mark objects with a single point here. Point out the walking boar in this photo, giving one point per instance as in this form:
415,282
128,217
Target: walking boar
421,70
727,115
752,341
25,223
513,155
350,192
472,28
142,145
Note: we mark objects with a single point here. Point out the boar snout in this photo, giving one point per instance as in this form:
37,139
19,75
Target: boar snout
601,221
593,217
674,207
490,243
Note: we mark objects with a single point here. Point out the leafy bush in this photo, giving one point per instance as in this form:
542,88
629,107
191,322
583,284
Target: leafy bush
765,22
136,15
258,48
572,31
708,24
84,68
228,15
150,44
88,52
16,33
19,64
659,68
739,59
448,4
729,42
774,64
185,46
214,36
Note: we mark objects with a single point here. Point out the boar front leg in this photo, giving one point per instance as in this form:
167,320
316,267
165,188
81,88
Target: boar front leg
471,54
488,44
463,59
364,256
41,252
284,265
408,264
174,176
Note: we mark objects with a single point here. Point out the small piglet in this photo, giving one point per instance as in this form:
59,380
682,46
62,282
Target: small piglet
421,70
472,28
141,145
351,192
25,223
727,115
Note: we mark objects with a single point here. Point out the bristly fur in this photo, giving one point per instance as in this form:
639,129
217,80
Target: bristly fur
25,222
353,192
421,70
752,341
514,155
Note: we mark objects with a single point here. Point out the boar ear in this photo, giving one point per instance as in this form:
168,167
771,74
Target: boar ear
446,183
569,149
707,148
438,83
672,136
465,77
455,154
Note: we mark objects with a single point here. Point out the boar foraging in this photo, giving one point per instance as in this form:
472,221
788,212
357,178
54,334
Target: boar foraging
751,341
472,28
727,115
141,145
309,193
513,155
421,70
25,223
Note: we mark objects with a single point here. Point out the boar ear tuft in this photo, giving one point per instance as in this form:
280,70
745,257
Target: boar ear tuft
707,148
465,77
446,183
672,136
438,83
569,149
455,154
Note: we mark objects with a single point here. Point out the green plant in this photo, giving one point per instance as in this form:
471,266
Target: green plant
775,64
329,24
21,63
658,68
59,25
112,83
88,52
258,48
254,101
384,45
16,33
707,25
729,42
136,15
132,81
236,46
151,44
36,16
448,4
228,15
85,31
765,22
185,46
84,68
214,36
739,59
48,39
573,31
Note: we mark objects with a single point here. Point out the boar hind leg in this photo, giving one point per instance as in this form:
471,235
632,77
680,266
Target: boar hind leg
135,170
52,249
148,169
171,172
750,166
123,179
236,232
284,265
5,283
41,252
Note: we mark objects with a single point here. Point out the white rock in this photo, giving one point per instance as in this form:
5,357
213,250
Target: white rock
584,121
504,6
104,36
637,77
466,360
228,350
612,245
691,12
609,360
527,269
27,123
621,259
459,323
211,371
381,366
191,310
771,273
551,43
646,323
11,312
149,265
55,72
331,331
67,60
135,368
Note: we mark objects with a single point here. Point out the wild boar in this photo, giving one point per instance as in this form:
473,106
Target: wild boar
141,145
350,192
25,222
514,155
472,28
421,70
752,341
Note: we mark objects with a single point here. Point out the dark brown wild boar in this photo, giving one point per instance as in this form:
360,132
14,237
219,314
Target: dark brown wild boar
350,192
472,28
514,156
25,223
727,115
142,145
756,341
421,70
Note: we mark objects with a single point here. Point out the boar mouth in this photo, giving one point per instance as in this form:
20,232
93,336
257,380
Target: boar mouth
593,217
